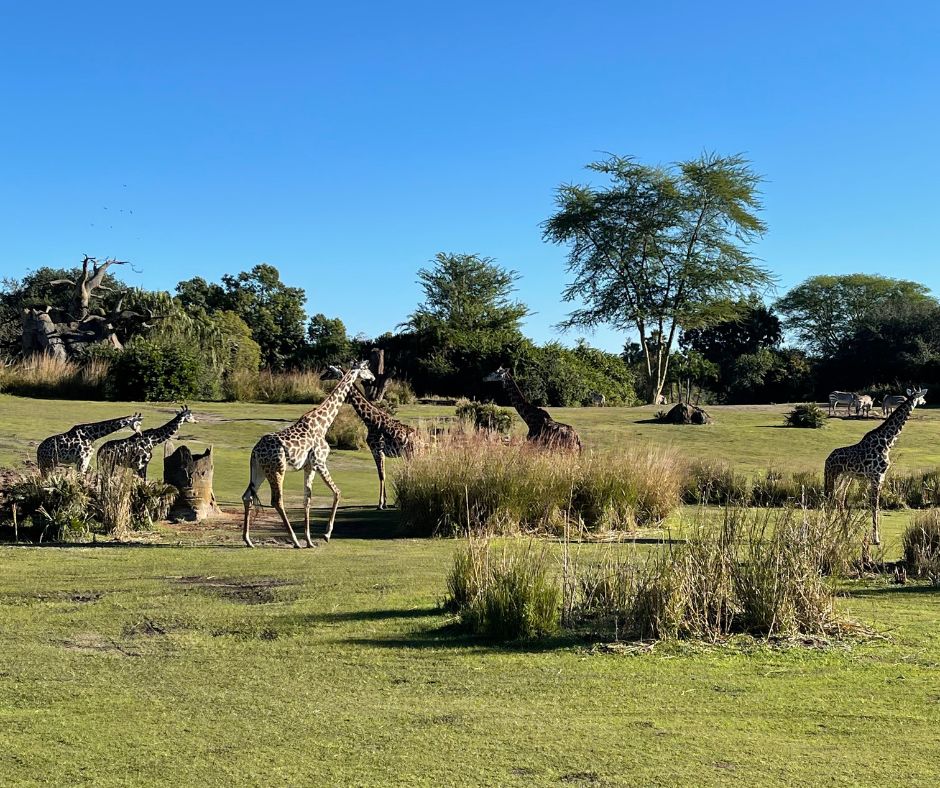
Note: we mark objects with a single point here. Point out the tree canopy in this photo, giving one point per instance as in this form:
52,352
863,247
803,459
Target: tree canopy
824,311
659,249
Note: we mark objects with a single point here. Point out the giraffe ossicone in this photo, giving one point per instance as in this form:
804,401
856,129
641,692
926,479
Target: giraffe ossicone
301,445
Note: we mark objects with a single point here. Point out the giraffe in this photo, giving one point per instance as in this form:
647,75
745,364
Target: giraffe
386,437
301,445
869,457
75,446
136,451
543,429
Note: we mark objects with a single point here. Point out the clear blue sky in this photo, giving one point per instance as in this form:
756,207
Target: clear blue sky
347,143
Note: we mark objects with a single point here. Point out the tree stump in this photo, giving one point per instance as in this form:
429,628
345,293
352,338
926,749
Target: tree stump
191,474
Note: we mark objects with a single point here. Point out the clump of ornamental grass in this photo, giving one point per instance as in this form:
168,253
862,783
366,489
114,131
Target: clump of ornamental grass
921,545
299,387
509,592
713,482
484,415
467,481
759,573
46,375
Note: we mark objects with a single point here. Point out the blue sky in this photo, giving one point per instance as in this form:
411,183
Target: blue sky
348,143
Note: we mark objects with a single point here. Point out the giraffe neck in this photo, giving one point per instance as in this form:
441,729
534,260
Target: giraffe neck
372,416
531,415
160,434
889,431
320,418
98,429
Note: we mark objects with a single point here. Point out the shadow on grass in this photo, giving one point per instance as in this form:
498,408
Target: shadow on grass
367,615
917,588
451,636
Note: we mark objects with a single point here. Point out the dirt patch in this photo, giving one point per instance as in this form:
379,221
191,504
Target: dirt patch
82,597
147,628
93,643
260,591
581,778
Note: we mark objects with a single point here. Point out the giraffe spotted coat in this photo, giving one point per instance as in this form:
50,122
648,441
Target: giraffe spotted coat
136,451
75,446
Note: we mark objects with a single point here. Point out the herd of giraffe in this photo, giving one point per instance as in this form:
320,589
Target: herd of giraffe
303,445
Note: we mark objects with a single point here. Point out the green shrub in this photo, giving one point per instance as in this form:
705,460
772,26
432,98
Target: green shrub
347,431
808,415
399,392
485,415
162,371
509,595
715,483
921,543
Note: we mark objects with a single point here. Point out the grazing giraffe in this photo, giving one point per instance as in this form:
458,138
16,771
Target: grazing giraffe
75,446
543,429
136,451
869,458
386,437
301,445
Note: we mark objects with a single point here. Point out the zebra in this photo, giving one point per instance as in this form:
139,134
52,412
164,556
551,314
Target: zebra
847,398
890,402
863,405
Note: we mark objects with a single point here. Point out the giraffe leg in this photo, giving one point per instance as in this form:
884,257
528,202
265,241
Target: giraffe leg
277,496
325,474
875,496
379,456
248,504
310,474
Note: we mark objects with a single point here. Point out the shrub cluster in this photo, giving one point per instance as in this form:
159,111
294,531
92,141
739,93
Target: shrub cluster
466,481
921,543
347,431
757,573
808,415
163,371
65,506
507,594
484,415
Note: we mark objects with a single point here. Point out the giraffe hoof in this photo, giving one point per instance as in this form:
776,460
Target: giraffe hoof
248,543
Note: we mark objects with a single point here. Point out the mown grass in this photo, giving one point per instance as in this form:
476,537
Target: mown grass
213,664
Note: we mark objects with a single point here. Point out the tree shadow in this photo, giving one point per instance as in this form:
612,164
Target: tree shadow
451,636
367,615
916,588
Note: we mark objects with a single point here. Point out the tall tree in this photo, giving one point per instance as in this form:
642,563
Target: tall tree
273,310
659,249
329,343
824,311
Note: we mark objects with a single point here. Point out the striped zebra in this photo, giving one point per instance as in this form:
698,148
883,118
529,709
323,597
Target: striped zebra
846,398
890,402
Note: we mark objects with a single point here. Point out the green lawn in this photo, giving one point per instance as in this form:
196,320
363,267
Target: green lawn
212,664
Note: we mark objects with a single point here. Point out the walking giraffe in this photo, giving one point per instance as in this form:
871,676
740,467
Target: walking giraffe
75,446
543,429
385,437
136,451
301,445
869,458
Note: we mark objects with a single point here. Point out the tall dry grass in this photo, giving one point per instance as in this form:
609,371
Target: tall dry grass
921,544
468,480
46,376
300,387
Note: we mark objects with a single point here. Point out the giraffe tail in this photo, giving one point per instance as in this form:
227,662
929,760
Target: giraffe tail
250,496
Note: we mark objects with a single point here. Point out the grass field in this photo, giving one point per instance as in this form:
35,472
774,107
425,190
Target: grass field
208,663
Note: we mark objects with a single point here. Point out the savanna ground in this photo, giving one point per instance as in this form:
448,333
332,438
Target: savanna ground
188,659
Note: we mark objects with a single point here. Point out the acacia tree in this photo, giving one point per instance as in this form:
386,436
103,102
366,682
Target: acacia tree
659,249
826,311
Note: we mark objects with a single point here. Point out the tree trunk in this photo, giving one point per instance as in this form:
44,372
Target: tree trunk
191,474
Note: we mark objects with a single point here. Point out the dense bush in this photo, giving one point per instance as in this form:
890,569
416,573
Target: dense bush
562,377
921,543
467,481
162,371
506,594
715,482
347,431
65,506
484,415
808,415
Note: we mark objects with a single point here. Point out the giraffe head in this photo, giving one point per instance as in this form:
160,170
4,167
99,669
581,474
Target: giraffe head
335,373
498,376
917,395
134,422
185,415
